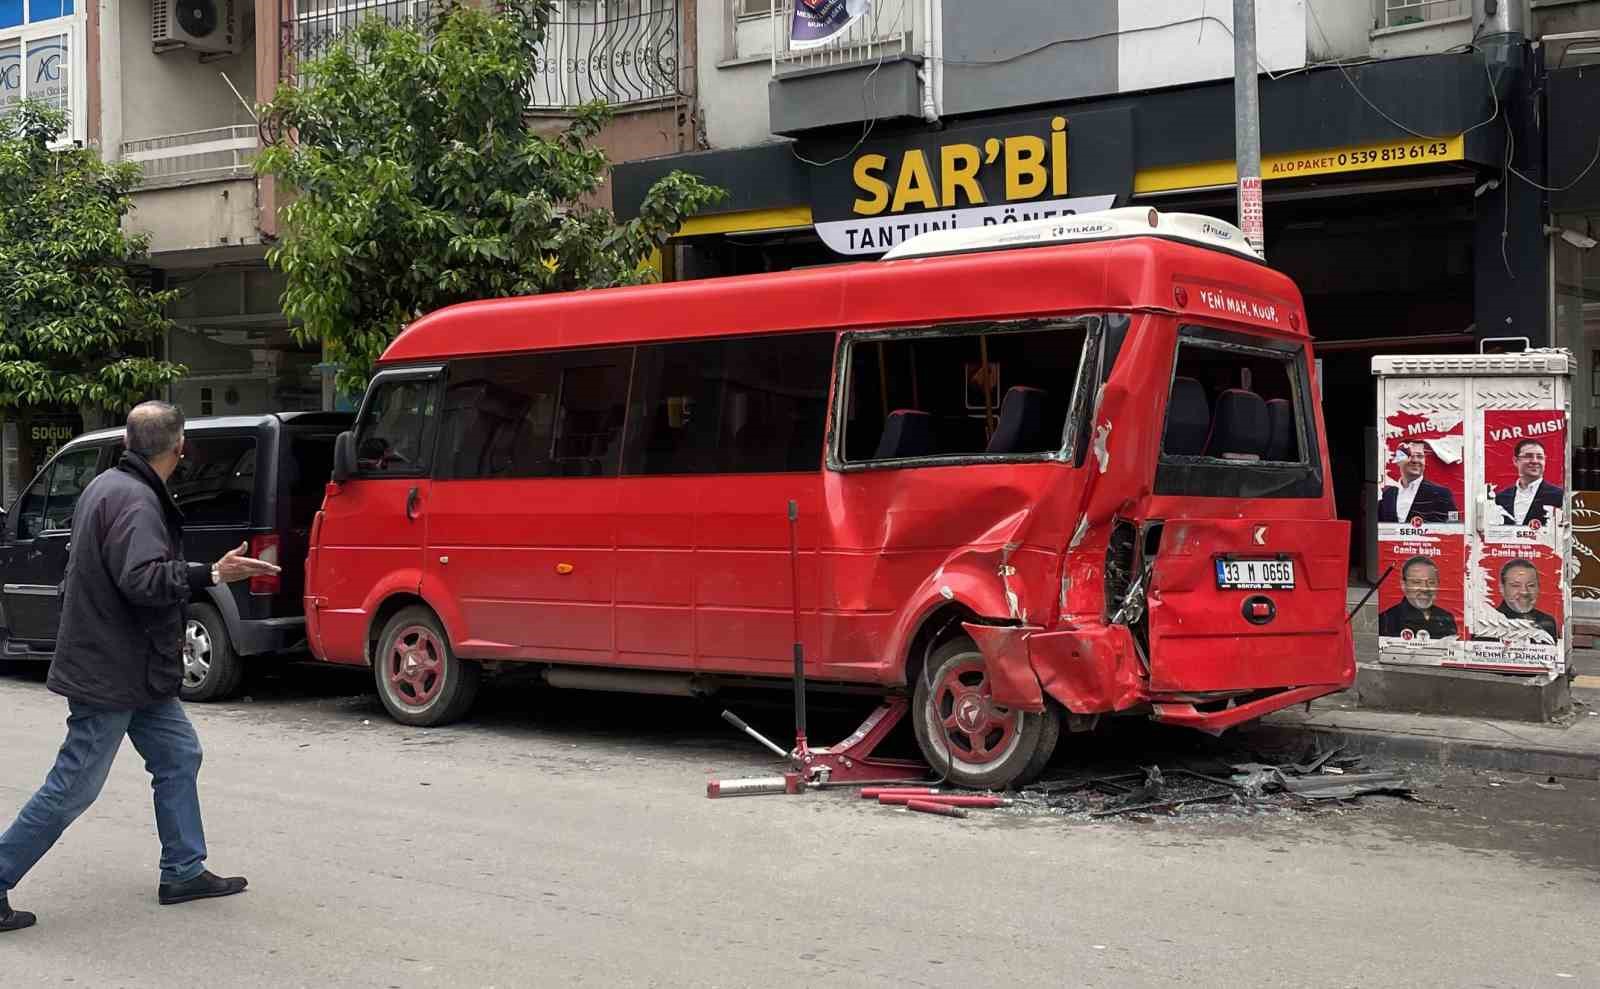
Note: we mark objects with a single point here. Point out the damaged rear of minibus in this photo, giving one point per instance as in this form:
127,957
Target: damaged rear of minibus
1178,557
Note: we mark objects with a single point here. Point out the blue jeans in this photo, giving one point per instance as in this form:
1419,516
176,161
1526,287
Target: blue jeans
171,749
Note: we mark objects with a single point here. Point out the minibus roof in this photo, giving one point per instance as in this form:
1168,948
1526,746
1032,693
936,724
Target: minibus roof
1147,272
1130,221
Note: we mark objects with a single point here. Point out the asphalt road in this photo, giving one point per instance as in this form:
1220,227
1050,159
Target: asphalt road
561,839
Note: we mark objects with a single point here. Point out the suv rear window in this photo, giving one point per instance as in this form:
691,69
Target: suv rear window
216,480
1238,420
308,469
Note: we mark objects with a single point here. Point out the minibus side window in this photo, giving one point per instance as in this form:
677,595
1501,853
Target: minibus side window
394,435
556,414
926,395
1238,423
742,405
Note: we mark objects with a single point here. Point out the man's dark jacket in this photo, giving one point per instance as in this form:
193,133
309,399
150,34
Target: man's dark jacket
126,592
1438,623
1547,496
1433,503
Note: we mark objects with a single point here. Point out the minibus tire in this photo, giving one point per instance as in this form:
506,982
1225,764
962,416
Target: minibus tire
439,688
222,668
1024,754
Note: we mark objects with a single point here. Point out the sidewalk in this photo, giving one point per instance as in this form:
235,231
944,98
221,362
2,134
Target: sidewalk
1570,750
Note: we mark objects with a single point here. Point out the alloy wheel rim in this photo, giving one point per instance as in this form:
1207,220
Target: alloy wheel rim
414,667
976,730
196,654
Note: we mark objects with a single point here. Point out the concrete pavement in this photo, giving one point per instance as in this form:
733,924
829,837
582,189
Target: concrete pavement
574,845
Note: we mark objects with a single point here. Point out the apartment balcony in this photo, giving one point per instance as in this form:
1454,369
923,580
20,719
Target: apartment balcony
213,155
868,71
198,193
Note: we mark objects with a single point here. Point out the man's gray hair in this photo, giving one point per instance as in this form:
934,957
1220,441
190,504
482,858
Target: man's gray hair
154,428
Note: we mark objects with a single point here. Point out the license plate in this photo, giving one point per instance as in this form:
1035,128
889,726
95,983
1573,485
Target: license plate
1255,575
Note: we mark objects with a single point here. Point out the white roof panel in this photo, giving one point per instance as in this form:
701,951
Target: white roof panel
1129,221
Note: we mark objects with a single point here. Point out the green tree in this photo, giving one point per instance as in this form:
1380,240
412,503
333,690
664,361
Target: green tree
78,326
419,182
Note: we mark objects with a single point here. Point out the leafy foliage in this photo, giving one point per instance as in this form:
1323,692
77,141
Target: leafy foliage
76,325
420,182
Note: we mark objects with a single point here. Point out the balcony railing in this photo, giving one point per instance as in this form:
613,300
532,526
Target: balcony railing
620,51
1400,13
197,156
886,30
316,23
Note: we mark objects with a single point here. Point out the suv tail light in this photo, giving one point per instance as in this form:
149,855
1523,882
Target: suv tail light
264,548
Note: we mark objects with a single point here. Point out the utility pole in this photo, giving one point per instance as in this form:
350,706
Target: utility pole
1247,124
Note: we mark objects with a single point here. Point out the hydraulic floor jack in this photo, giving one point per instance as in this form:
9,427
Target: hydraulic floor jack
850,762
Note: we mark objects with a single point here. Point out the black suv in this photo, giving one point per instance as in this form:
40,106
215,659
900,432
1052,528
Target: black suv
255,479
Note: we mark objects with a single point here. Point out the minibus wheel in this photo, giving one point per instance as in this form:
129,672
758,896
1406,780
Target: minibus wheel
418,676
960,729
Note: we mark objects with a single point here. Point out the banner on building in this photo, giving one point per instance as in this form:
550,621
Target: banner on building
817,22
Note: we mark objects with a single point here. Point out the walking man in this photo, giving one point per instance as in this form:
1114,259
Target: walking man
119,663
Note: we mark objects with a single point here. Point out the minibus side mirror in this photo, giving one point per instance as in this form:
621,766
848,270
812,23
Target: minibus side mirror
344,457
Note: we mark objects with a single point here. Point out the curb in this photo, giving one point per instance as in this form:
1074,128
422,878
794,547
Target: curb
1442,752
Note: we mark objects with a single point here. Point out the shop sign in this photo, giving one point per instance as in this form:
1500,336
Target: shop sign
964,177
1300,164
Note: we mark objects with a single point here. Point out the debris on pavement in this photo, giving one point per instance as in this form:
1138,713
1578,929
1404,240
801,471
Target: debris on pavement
1317,778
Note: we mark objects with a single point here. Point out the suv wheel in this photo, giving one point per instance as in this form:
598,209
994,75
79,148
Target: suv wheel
212,671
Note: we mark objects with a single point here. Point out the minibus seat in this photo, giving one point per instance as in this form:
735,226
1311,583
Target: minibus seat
906,433
1239,429
1022,427
1280,430
1188,419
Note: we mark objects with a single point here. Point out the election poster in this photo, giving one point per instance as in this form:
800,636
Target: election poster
1518,610
1422,477
1524,465
1421,602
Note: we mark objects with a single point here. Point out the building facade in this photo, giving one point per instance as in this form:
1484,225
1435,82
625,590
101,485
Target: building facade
174,87
1408,150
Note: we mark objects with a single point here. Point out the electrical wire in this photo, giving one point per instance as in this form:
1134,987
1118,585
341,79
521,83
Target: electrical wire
871,118
1471,46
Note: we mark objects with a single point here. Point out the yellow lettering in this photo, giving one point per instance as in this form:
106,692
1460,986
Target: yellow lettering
915,187
868,170
1025,174
958,170
1058,156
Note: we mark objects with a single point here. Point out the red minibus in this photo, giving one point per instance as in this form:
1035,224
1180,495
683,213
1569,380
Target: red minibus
1045,472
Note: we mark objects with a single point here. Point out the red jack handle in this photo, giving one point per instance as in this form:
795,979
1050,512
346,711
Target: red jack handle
951,799
874,792
933,807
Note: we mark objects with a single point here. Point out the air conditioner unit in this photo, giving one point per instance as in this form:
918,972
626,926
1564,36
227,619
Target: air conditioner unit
198,25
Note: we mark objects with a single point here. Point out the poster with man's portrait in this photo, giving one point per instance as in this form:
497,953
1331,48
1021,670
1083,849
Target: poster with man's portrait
1518,608
1422,482
1525,464
1421,603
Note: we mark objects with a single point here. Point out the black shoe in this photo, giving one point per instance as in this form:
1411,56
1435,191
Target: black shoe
201,887
14,920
